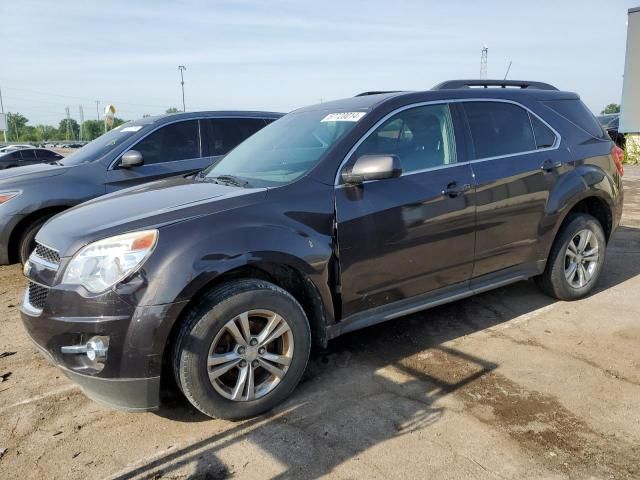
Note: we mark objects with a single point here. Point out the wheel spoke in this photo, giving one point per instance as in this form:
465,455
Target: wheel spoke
269,367
582,277
279,359
251,388
238,390
585,236
216,372
571,253
277,333
271,325
572,247
220,358
571,271
235,332
591,253
244,326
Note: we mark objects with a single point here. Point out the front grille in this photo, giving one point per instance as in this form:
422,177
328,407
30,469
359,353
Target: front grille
37,295
46,253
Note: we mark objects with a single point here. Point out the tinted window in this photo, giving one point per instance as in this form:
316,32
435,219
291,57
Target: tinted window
499,128
545,137
28,155
421,137
178,141
577,113
47,155
11,156
223,134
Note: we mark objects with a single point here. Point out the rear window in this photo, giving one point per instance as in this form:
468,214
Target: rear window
499,128
577,113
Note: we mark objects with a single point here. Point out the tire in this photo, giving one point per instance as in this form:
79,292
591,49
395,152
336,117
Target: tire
206,331
555,281
28,239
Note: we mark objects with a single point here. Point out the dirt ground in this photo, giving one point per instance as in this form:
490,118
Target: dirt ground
508,384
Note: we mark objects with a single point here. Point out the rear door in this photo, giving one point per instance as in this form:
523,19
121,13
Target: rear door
170,150
28,157
516,163
407,236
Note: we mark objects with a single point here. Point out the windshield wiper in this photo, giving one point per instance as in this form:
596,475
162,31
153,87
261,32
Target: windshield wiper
230,179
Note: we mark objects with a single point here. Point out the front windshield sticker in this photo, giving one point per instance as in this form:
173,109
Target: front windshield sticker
344,117
131,129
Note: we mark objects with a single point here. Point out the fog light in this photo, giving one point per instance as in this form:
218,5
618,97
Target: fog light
95,349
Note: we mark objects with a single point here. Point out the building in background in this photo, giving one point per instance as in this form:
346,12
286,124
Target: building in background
630,106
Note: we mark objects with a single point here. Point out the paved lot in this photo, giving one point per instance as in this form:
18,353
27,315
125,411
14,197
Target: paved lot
508,384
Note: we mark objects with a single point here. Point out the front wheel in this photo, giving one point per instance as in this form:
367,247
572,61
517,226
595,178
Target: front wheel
28,239
576,259
242,349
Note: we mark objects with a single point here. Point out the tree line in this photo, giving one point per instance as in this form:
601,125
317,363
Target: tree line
67,129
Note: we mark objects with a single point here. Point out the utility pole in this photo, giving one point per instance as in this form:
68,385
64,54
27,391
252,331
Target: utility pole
4,130
66,109
483,61
81,122
182,68
98,109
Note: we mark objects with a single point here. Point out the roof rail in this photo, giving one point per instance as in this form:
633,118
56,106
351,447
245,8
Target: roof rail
364,94
455,84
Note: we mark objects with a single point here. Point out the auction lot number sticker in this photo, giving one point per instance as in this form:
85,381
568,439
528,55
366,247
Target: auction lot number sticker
344,117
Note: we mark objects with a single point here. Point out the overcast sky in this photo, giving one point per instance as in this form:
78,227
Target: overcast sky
279,55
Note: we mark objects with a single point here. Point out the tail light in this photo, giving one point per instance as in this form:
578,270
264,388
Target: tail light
618,156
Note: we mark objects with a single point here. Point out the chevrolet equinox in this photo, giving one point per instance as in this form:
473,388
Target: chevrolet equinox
333,218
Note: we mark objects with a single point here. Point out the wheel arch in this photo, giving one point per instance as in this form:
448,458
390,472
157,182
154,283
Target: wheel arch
20,228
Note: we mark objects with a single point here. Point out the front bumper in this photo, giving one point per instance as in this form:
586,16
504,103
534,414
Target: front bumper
129,377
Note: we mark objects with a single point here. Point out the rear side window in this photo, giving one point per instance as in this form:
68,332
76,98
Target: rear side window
11,156
577,113
28,155
544,136
499,128
223,134
177,141
47,155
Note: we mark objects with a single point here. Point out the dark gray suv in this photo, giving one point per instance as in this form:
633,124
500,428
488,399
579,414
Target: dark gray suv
136,152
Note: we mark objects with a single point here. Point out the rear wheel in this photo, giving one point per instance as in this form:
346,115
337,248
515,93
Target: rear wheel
28,239
242,349
576,259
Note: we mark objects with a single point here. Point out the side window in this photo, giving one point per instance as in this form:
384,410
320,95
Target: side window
47,155
28,155
499,128
422,137
177,141
12,156
223,134
545,138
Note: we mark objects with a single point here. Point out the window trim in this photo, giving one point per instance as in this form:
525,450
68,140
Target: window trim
338,181
113,166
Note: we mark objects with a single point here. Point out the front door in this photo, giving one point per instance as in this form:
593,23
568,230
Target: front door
403,237
171,150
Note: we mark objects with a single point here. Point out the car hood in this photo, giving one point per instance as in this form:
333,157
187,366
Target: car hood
12,177
152,205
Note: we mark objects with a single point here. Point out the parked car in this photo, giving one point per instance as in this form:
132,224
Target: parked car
27,156
611,122
11,148
333,218
134,153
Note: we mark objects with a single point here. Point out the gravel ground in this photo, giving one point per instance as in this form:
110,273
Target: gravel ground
508,384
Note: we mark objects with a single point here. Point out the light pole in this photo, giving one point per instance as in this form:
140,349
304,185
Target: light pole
4,130
182,68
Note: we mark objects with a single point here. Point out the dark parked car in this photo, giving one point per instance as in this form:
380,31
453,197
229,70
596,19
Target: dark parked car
333,218
27,156
134,153
611,122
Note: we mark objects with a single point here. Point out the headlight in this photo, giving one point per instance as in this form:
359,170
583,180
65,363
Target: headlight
6,196
102,264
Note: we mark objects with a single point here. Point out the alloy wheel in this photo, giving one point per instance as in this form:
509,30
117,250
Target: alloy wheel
581,258
250,355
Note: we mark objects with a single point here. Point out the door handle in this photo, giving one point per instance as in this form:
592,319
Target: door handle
549,165
453,189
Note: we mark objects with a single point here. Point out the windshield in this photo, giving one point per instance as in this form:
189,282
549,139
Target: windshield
103,144
286,149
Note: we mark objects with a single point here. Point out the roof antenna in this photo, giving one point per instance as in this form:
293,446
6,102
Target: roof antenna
508,68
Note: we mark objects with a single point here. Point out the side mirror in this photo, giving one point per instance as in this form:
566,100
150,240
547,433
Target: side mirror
372,167
132,158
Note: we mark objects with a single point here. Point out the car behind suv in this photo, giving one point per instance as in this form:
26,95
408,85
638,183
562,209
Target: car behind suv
335,217
136,152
